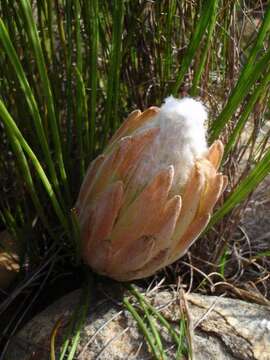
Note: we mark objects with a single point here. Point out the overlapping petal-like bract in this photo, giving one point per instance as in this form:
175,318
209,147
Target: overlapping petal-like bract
133,225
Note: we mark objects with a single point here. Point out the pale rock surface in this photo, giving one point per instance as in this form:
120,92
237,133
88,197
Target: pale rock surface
225,329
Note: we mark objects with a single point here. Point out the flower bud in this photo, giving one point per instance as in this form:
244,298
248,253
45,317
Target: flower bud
146,199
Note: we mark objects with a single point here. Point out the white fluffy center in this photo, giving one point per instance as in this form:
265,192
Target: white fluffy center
180,142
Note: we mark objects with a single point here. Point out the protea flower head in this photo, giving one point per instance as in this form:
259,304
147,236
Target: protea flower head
146,199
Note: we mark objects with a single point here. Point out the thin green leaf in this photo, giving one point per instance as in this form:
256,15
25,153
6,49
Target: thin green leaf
181,349
213,9
154,330
80,120
13,129
249,75
194,44
113,88
72,336
237,97
33,107
257,93
143,327
84,306
223,261
162,320
168,58
35,43
25,171
69,94
249,184
92,12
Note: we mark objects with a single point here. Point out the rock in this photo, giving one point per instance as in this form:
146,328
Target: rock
9,259
220,328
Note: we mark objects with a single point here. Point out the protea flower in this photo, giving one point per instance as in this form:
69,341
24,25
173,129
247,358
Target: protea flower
146,199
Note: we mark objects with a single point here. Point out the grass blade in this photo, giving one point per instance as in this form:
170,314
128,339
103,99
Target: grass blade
194,44
84,305
33,107
237,97
181,349
13,129
25,171
258,92
252,180
36,46
250,73
154,330
143,327
75,327
80,117
69,102
113,93
162,320
92,12
213,8
168,59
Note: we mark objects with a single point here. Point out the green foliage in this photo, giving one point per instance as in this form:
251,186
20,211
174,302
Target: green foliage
70,71
72,336
151,322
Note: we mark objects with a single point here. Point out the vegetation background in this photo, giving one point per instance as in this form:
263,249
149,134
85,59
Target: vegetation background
70,72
